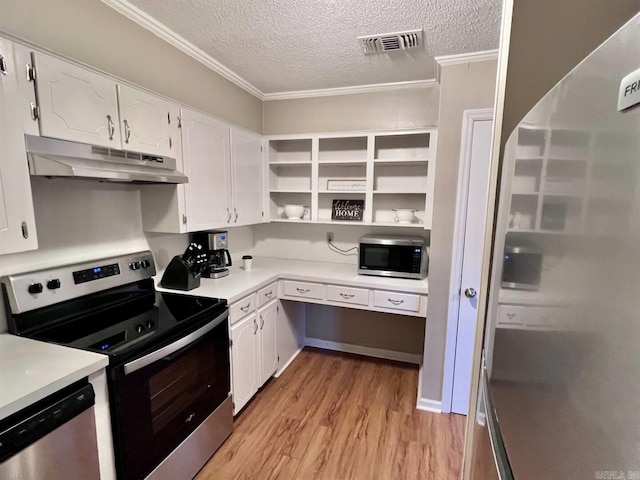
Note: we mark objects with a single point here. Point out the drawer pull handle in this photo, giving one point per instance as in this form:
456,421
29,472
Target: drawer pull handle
511,316
246,307
347,295
268,294
395,302
302,290
261,322
255,326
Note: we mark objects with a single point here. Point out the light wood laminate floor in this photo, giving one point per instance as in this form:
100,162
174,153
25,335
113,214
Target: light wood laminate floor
335,416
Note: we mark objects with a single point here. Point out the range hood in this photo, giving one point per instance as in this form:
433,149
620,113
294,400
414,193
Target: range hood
59,158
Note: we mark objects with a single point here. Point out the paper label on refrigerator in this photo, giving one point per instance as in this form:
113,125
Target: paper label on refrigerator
629,94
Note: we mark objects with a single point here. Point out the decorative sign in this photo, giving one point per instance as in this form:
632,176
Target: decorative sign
629,94
347,210
357,184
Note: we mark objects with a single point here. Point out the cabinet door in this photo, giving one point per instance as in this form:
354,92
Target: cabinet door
244,361
17,221
144,121
268,353
205,147
247,177
76,104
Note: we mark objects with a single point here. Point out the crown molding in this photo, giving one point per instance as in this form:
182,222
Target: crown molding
457,59
331,92
141,18
446,60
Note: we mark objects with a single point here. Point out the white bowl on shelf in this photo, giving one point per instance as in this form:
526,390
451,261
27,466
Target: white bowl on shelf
404,215
295,212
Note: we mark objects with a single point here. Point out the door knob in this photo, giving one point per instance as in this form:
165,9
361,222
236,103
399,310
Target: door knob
470,292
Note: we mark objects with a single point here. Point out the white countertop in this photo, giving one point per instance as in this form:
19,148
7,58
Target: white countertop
31,370
266,270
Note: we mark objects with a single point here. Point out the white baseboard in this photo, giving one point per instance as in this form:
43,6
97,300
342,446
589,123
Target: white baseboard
284,367
434,406
360,350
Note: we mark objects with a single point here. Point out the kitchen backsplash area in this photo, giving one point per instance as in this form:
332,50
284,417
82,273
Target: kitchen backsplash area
308,241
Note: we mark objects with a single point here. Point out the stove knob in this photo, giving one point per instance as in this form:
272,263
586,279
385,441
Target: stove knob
35,288
145,263
134,265
150,324
53,284
140,328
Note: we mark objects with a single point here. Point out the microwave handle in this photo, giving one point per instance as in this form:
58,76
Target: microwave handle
174,347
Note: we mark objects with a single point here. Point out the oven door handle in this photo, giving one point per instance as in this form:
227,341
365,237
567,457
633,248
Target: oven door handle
175,346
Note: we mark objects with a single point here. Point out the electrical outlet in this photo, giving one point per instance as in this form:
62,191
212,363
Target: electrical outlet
329,237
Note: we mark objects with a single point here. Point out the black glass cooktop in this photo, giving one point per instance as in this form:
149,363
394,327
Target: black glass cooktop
120,322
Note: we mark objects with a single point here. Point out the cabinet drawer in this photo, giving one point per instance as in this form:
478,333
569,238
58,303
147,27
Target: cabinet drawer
242,308
268,293
397,301
357,296
512,316
303,289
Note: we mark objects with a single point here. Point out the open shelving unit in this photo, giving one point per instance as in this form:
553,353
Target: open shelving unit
387,170
562,182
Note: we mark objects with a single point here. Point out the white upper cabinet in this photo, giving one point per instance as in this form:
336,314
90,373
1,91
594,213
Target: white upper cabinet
17,220
246,169
145,122
206,150
75,103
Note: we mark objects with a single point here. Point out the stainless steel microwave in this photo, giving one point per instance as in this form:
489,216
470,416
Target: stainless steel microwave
393,256
522,267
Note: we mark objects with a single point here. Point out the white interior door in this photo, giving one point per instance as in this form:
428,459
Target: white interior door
472,207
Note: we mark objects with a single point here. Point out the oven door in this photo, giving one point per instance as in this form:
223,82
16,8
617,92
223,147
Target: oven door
163,396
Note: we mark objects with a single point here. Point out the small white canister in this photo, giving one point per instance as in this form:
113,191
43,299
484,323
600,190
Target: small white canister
247,260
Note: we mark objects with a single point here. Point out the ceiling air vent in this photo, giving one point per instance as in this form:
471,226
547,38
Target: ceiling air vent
390,42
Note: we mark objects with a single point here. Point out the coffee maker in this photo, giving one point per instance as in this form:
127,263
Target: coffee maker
215,243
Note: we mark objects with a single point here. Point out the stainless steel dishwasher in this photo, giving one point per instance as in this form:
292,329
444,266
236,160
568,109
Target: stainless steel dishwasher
53,438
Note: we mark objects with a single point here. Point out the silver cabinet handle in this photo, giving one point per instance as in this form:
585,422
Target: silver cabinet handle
302,290
511,316
25,230
190,417
255,326
173,347
347,295
228,216
235,219
3,66
268,294
395,302
246,307
470,292
112,127
261,322
127,131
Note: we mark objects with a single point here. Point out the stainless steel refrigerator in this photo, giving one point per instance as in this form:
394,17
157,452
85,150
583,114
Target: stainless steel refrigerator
560,395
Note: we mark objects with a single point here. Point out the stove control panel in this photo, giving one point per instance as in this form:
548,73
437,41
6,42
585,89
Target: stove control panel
37,289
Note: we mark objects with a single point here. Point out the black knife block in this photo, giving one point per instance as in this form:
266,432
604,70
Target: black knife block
179,276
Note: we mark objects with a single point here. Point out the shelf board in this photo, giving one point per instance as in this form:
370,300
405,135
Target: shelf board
289,191
401,161
540,232
398,224
342,162
290,220
340,222
341,191
397,192
529,158
280,163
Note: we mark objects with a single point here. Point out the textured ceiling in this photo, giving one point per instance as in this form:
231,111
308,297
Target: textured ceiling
292,45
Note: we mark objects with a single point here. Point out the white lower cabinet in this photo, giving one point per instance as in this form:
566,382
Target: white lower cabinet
268,356
254,356
244,361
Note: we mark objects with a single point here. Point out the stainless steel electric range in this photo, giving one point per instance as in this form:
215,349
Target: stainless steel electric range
168,373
